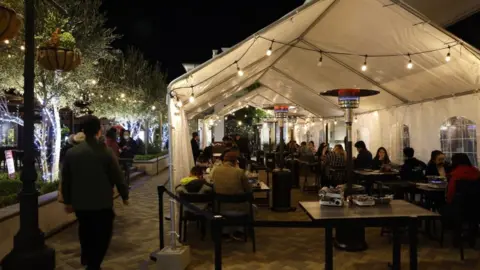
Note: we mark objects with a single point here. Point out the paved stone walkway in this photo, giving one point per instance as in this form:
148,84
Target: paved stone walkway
136,235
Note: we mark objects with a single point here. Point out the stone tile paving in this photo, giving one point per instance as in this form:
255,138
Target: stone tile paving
136,235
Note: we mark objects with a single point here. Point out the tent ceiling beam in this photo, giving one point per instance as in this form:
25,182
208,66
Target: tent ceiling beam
310,27
238,45
251,65
422,17
280,94
305,86
318,19
358,73
229,92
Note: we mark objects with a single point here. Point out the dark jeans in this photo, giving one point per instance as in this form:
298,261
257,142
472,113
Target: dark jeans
95,232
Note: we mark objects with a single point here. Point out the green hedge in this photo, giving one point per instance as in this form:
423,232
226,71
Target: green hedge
152,156
9,189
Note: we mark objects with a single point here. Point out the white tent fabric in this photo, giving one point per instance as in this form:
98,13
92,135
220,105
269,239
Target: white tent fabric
445,12
360,27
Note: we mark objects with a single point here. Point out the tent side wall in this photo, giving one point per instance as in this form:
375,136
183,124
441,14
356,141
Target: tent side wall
424,122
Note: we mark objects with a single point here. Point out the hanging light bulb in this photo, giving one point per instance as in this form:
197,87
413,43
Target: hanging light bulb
6,41
226,118
448,58
191,99
355,120
269,51
410,64
320,60
364,66
239,70
179,103
335,122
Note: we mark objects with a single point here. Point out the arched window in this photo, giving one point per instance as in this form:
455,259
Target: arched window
459,135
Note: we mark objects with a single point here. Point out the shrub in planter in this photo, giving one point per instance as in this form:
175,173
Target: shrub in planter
8,200
59,53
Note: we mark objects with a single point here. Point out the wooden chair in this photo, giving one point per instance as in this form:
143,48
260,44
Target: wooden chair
246,220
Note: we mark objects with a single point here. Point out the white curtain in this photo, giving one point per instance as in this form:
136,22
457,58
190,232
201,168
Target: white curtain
182,159
424,121
395,149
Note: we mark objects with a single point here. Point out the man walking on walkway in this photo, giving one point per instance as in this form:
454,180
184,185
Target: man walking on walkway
89,173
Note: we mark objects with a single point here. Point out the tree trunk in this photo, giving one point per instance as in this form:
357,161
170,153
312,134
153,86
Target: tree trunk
56,144
147,136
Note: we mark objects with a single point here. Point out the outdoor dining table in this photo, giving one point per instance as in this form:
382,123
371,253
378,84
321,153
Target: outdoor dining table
372,176
398,213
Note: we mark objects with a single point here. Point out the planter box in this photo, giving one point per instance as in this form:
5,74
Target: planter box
152,166
51,215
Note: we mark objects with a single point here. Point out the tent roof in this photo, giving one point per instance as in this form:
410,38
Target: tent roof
445,12
345,31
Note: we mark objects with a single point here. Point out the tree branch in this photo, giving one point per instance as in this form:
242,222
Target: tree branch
58,7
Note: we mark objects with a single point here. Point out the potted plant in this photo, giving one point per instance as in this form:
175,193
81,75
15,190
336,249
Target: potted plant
59,53
10,23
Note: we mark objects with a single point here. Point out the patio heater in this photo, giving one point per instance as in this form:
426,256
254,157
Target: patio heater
270,123
292,120
281,112
350,237
282,178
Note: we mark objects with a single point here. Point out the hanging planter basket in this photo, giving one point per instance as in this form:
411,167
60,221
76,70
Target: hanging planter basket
51,58
10,23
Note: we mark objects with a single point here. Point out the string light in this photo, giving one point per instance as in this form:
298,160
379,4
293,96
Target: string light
448,58
355,120
179,103
9,56
239,70
191,99
269,51
335,122
22,48
239,123
122,95
6,41
226,118
154,108
410,64
364,66
320,60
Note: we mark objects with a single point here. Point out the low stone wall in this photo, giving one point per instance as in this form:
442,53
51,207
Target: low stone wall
51,215
152,166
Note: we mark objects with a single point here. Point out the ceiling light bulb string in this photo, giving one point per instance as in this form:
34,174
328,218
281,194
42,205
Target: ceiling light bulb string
235,63
241,72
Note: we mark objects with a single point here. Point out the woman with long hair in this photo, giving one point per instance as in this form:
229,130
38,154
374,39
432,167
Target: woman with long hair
381,158
437,165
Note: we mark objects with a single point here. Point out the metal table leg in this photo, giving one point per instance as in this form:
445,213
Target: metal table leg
396,265
328,248
412,231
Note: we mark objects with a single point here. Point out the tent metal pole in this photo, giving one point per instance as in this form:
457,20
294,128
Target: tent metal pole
173,240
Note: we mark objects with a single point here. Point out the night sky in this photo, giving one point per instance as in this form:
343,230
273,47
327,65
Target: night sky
175,32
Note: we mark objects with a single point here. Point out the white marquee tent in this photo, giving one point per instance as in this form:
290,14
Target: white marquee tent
341,32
